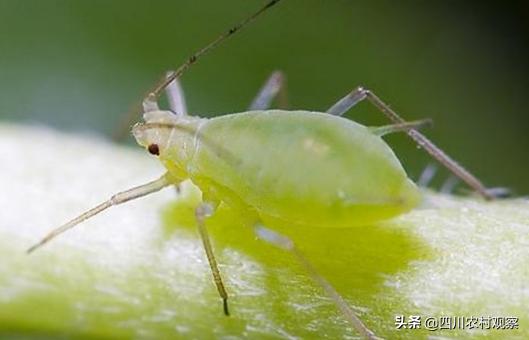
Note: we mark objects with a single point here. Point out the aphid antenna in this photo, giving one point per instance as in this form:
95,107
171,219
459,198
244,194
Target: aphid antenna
156,91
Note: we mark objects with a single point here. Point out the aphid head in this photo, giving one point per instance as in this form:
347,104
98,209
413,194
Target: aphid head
163,132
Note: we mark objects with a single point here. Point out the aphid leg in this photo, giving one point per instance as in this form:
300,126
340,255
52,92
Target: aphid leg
406,126
201,212
427,175
347,102
286,243
274,85
361,93
449,185
116,199
500,192
175,97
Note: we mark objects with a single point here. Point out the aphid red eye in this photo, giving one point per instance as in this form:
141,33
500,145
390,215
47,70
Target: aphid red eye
154,149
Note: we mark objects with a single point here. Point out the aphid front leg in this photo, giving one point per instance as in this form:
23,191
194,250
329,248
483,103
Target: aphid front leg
274,86
175,96
286,243
360,93
203,211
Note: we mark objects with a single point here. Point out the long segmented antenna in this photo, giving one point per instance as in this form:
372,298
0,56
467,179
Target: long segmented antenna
156,91
122,197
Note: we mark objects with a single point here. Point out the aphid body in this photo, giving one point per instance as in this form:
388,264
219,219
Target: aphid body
301,167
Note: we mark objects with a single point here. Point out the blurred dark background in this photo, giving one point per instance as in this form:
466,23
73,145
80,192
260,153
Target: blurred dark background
79,65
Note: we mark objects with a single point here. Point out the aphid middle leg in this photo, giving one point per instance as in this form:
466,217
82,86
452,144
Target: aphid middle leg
201,212
286,243
360,93
274,86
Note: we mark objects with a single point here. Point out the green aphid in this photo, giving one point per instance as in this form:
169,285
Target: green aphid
300,167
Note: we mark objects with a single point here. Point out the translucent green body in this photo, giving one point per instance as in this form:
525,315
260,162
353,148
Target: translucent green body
302,167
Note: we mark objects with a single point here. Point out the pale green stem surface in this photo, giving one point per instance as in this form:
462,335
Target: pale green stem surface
138,270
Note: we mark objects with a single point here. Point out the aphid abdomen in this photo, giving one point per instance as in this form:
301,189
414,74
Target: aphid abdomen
305,167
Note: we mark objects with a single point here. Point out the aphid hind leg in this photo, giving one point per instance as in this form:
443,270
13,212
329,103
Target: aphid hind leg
116,199
286,243
272,88
203,211
360,93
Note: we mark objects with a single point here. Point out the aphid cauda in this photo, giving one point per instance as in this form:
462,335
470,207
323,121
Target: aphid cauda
303,167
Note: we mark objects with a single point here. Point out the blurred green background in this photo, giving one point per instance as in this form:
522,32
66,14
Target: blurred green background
80,65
